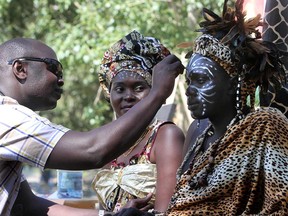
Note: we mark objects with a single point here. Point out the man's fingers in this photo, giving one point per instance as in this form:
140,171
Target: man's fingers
175,63
145,205
179,67
171,58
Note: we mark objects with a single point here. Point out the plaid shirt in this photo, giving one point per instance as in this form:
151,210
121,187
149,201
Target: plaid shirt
25,137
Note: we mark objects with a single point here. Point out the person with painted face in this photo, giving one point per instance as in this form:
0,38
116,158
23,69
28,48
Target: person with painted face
150,165
31,79
238,164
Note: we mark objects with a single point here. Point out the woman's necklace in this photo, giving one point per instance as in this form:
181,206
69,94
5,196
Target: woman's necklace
143,135
136,143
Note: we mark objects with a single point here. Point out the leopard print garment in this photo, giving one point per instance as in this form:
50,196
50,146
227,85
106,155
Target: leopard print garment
250,176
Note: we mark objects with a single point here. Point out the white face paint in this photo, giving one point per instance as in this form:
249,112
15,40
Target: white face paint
207,86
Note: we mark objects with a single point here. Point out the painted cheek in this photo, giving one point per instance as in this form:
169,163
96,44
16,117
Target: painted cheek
206,95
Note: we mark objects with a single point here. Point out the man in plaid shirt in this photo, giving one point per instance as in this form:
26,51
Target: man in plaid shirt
31,79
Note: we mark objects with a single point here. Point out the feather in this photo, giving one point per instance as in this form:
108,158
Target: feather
185,44
242,36
210,16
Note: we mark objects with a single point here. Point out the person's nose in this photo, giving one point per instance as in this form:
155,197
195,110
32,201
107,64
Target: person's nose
129,95
191,91
60,81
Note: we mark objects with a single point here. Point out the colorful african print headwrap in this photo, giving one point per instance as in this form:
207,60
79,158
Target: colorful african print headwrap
235,43
134,53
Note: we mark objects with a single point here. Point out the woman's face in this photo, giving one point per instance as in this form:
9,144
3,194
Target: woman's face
208,86
127,89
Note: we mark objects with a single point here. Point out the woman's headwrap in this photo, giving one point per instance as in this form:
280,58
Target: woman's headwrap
134,53
235,43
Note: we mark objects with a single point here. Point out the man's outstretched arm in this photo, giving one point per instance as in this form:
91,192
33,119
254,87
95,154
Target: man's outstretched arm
95,148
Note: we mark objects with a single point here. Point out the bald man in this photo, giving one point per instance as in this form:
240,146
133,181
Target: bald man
31,79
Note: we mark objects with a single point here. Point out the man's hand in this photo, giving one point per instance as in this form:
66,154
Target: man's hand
164,74
137,207
132,211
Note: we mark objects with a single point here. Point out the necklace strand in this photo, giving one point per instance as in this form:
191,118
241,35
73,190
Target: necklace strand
143,135
136,143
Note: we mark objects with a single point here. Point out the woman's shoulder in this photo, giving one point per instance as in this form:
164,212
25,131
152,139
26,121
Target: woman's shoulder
168,134
169,127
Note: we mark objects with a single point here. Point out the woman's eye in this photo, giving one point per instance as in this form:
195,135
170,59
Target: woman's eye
118,89
139,88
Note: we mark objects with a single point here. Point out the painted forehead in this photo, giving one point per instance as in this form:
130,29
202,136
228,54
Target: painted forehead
123,75
200,63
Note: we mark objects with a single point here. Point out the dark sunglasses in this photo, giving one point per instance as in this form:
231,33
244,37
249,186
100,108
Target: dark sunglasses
53,65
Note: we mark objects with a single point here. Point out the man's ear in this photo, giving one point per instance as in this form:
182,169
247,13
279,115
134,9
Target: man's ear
19,70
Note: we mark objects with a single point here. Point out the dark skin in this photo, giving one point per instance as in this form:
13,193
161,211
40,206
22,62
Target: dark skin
210,98
35,87
193,132
128,89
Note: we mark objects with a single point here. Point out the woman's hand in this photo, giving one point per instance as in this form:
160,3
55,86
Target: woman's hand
140,203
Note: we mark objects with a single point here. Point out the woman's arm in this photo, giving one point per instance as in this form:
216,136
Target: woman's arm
167,154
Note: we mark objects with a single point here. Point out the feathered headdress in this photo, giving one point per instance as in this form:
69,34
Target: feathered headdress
235,43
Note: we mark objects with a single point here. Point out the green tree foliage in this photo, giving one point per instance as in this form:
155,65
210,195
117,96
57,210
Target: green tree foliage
81,30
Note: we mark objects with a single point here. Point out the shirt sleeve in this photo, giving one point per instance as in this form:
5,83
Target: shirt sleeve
27,137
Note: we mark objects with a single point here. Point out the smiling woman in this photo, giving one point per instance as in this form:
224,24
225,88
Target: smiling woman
126,76
127,89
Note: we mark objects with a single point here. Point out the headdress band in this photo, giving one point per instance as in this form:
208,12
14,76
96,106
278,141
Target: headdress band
134,53
207,45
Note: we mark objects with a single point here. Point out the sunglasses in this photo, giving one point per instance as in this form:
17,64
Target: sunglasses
53,65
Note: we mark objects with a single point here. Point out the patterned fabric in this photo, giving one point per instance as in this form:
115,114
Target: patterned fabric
25,138
250,171
115,187
134,53
275,29
207,45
